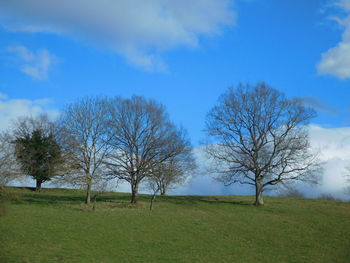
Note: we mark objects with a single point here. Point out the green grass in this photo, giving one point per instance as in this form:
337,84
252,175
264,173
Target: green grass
55,226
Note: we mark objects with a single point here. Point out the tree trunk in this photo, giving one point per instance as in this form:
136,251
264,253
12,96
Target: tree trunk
88,193
38,185
94,206
259,201
162,187
152,200
134,193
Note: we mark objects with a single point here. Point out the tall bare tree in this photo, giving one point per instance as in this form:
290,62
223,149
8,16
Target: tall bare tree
260,138
84,135
143,137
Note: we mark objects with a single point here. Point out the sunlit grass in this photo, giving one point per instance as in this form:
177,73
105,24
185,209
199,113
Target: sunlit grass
56,226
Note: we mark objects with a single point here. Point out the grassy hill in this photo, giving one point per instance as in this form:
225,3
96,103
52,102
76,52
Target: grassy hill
55,226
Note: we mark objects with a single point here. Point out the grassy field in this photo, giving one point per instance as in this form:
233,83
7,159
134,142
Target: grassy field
55,226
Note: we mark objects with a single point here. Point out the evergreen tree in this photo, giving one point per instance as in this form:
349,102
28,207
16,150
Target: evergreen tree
39,155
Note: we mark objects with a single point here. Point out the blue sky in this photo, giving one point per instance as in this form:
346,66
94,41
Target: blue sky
181,53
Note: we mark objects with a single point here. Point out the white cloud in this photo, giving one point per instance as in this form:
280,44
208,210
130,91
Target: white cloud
35,64
138,30
10,109
345,4
331,142
336,61
333,145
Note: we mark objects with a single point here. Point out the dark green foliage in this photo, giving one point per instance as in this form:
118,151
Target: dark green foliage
39,155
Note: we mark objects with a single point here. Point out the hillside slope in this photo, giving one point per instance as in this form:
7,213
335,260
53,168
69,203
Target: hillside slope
55,226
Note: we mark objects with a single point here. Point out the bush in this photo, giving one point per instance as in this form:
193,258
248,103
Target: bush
327,196
291,192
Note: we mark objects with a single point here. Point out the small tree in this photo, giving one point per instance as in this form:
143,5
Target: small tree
260,138
165,176
37,150
174,171
162,177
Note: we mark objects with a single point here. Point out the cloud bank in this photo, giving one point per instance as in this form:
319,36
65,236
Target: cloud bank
137,30
11,109
336,61
333,146
35,64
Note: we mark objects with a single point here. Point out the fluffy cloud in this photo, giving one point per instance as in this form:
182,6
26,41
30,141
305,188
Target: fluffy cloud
11,109
336,61
331,143
138,30
35,64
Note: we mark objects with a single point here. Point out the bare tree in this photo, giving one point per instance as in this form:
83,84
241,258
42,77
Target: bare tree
167,175
8,167
174,171
164,176
260,138
143,137
83,130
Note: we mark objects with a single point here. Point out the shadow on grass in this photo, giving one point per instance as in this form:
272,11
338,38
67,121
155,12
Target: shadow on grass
74,197
192,200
